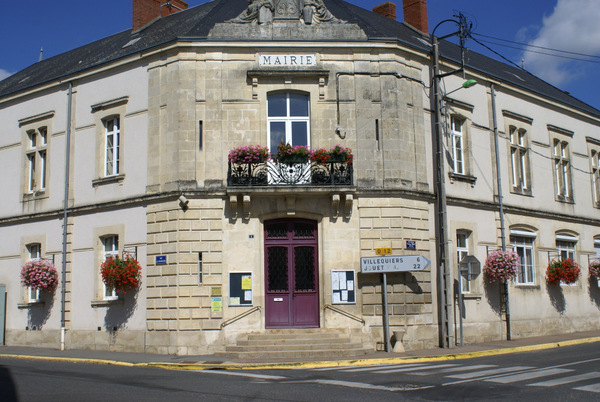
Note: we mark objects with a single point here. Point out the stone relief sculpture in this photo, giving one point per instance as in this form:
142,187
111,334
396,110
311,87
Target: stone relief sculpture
258,10
315,9
264,11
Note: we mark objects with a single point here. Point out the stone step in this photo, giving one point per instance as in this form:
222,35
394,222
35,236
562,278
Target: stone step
292,347
295,354
300,336
291,341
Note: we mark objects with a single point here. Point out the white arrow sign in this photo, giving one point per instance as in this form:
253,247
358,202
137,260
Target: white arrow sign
391,263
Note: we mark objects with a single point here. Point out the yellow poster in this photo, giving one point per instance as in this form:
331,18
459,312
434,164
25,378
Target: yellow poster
216,304
247,282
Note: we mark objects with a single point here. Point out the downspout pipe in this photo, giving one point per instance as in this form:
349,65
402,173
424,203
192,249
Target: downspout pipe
65,215
500,205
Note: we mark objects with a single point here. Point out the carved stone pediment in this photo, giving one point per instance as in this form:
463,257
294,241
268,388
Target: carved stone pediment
266,11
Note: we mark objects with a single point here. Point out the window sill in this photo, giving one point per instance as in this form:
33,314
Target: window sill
106,303
526,286
462,177
521,191
36,195
472,296
566,200
30,305
108,180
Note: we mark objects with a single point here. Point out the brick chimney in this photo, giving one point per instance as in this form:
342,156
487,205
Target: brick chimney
415,14
146,11
386,9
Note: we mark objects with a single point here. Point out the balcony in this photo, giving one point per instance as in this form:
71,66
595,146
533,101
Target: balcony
309,173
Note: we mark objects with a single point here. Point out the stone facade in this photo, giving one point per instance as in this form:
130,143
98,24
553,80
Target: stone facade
181,108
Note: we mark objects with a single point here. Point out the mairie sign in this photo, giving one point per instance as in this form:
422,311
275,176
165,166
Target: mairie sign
391,263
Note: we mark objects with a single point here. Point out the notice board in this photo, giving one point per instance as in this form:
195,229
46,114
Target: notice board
240,288
343,287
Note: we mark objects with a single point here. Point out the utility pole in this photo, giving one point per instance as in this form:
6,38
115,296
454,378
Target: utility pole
444,273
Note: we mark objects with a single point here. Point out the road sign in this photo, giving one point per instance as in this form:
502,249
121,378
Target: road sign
383,251
390,263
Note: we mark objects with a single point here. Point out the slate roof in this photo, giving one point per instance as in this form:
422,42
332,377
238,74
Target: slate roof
195,23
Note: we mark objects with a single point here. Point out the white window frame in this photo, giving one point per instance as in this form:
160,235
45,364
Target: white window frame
36,154
562,169
597,248
458,144
462,250
595,170
519,158
565,246
35,254
112,151
523,244
110,245
288,120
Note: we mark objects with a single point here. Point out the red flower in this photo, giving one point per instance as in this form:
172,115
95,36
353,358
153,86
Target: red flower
565,271
121,274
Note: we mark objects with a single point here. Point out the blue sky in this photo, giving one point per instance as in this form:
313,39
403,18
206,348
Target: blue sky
573,25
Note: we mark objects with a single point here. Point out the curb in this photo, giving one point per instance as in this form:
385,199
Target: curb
316,364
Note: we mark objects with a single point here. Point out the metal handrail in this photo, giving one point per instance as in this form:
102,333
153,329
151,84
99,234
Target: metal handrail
344,313
240,316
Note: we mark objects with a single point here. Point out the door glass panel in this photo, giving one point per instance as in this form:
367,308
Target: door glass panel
277,134
277,105
298,105
304,230
304,261
299,133
277,231
277,260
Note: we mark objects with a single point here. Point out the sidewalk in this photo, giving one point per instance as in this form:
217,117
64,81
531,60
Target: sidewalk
212,362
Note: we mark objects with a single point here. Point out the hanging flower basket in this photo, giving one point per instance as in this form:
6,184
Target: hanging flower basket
39,274
501,265
120,274
248,154
565,271
595,269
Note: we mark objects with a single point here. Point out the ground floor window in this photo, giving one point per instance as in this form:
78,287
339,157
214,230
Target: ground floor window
523,246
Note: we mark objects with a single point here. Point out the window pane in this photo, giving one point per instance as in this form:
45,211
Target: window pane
299,133
277,135
277,105
43,169
298,105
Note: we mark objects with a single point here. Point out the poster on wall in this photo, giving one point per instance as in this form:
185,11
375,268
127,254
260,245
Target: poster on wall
240,288
343,287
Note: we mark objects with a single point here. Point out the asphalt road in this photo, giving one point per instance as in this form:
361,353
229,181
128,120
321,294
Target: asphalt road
568,373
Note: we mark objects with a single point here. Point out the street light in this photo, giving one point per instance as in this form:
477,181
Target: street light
444,279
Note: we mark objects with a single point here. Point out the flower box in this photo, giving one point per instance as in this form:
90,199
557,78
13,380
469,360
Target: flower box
565,271
291,154
248,154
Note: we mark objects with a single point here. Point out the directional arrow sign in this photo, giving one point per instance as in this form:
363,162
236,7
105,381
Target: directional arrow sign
391,263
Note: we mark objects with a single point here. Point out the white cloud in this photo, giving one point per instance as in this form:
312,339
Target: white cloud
4,74
574,26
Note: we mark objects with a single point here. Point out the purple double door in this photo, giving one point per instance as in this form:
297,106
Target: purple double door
291,274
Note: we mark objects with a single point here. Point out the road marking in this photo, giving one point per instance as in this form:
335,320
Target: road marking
456,369
362,385
567,380
528,376
486,373
592,388
412,368
378,368
250,375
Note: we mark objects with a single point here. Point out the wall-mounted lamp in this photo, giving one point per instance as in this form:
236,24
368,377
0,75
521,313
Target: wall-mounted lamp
183,202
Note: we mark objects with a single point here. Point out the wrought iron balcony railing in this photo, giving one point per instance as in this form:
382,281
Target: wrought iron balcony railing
290,174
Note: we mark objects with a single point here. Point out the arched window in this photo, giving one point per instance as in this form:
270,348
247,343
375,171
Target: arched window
522,243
